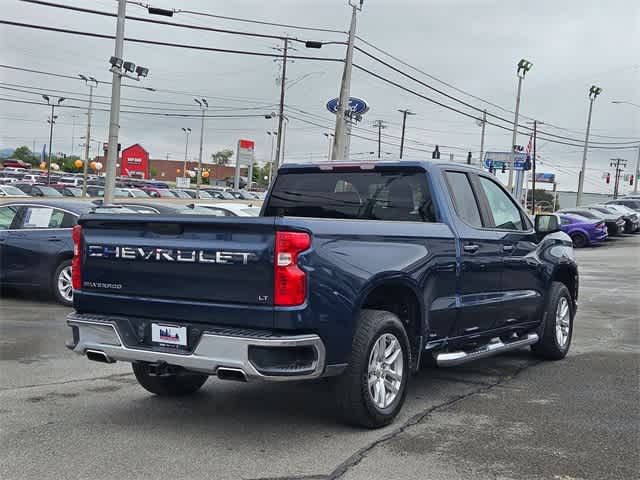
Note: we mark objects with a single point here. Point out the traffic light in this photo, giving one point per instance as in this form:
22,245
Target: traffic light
608,178
504,168
631,180
527,163
469,158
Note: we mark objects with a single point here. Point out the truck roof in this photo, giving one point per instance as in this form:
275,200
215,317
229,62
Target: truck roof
370,165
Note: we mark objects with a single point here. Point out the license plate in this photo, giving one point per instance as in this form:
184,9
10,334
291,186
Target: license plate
168,335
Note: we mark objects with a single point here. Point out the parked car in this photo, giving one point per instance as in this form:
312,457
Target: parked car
220,194
631,221
180,193
582,230
232,209
11,191
158,192
358,272
615,223
67,190
95,190
626,211
35,190
243,195
131,193
165,209
31,178
36,247
69,180
633,204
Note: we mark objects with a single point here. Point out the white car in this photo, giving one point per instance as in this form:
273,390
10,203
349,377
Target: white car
231,209
74,181
9,191
134,192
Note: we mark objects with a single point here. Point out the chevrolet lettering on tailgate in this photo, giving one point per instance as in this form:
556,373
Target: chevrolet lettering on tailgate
169,255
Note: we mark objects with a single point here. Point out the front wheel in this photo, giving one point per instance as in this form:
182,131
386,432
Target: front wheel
579,240
168,385
62,285
372,390
557,330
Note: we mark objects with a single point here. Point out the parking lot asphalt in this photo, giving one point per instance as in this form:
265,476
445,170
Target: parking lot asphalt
507,417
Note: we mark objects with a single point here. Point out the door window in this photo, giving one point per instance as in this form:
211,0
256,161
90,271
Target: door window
506,215
47,217
7,214
464,199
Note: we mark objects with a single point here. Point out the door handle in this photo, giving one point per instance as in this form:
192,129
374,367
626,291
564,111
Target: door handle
54,239
507,248
471,248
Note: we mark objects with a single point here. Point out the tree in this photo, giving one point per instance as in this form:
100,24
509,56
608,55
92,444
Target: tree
544,200
223,156
23,153
153,171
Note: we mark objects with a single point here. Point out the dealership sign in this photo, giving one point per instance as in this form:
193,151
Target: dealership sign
246,149
357,107
497,160
546,177
135,162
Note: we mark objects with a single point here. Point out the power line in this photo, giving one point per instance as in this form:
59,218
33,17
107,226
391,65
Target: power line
162,22
469,105
166,44
459,90
466,114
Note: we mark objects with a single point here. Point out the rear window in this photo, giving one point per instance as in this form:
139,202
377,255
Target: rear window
395,195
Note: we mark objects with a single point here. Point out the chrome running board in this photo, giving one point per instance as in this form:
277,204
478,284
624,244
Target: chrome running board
451,359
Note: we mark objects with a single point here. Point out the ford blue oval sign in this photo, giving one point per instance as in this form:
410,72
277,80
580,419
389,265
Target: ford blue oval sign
356,105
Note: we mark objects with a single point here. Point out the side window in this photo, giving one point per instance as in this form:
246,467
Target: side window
506,214
45,217
464,199
7,214
565,221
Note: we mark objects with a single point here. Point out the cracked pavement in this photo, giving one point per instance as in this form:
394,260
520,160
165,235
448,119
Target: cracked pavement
507,417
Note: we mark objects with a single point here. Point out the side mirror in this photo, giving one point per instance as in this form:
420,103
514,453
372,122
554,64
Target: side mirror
546,224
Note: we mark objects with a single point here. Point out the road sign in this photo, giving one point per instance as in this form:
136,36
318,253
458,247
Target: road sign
546,177
183,182
357,106
245,151
499,159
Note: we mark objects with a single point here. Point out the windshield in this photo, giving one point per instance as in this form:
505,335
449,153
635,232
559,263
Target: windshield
399,195
118,192
252,212
163,192
50,192
9,190
181,194
137,193
74,191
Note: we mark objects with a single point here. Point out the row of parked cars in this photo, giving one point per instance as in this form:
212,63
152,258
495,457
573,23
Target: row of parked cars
593,224
36,247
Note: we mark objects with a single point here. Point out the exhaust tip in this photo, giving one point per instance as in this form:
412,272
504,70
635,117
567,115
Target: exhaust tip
98,356
233,374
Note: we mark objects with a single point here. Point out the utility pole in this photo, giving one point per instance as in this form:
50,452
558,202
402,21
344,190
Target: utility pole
186,151
114,114
533,168
283,82
404,113
91,83
340,143
619,164
380,125
593,93
635,180
203,107
523,67
484,125
273,134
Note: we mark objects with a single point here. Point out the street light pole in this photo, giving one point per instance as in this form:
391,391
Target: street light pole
635,184
186,151
51,121
523,67
379,124
533,166
404,113
203,106
91,82
340,143
593,93
283,82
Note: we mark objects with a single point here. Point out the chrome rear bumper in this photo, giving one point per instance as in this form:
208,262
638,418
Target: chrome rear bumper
99,333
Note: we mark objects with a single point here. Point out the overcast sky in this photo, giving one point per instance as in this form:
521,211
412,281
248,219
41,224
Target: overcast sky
473,45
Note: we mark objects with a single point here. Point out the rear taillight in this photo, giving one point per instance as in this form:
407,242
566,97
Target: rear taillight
290,286
76,273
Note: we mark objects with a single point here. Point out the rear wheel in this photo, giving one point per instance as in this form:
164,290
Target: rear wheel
61,283
558,325
372,390
168,385
579,240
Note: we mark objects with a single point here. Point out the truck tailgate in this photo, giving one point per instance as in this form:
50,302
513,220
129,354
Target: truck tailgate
208,260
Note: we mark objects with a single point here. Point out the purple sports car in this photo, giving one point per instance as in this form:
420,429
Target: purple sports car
583,231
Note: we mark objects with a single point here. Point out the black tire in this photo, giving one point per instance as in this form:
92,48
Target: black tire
355,401
61,294
549,347
169,385
579,240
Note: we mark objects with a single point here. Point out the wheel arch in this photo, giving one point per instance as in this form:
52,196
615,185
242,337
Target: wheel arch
399,295
567,274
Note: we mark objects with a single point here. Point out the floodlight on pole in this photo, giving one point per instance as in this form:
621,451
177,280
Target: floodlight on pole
523,67
51,122
91,83
594,91
203,107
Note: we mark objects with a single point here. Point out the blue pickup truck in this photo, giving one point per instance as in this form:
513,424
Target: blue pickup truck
355,272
